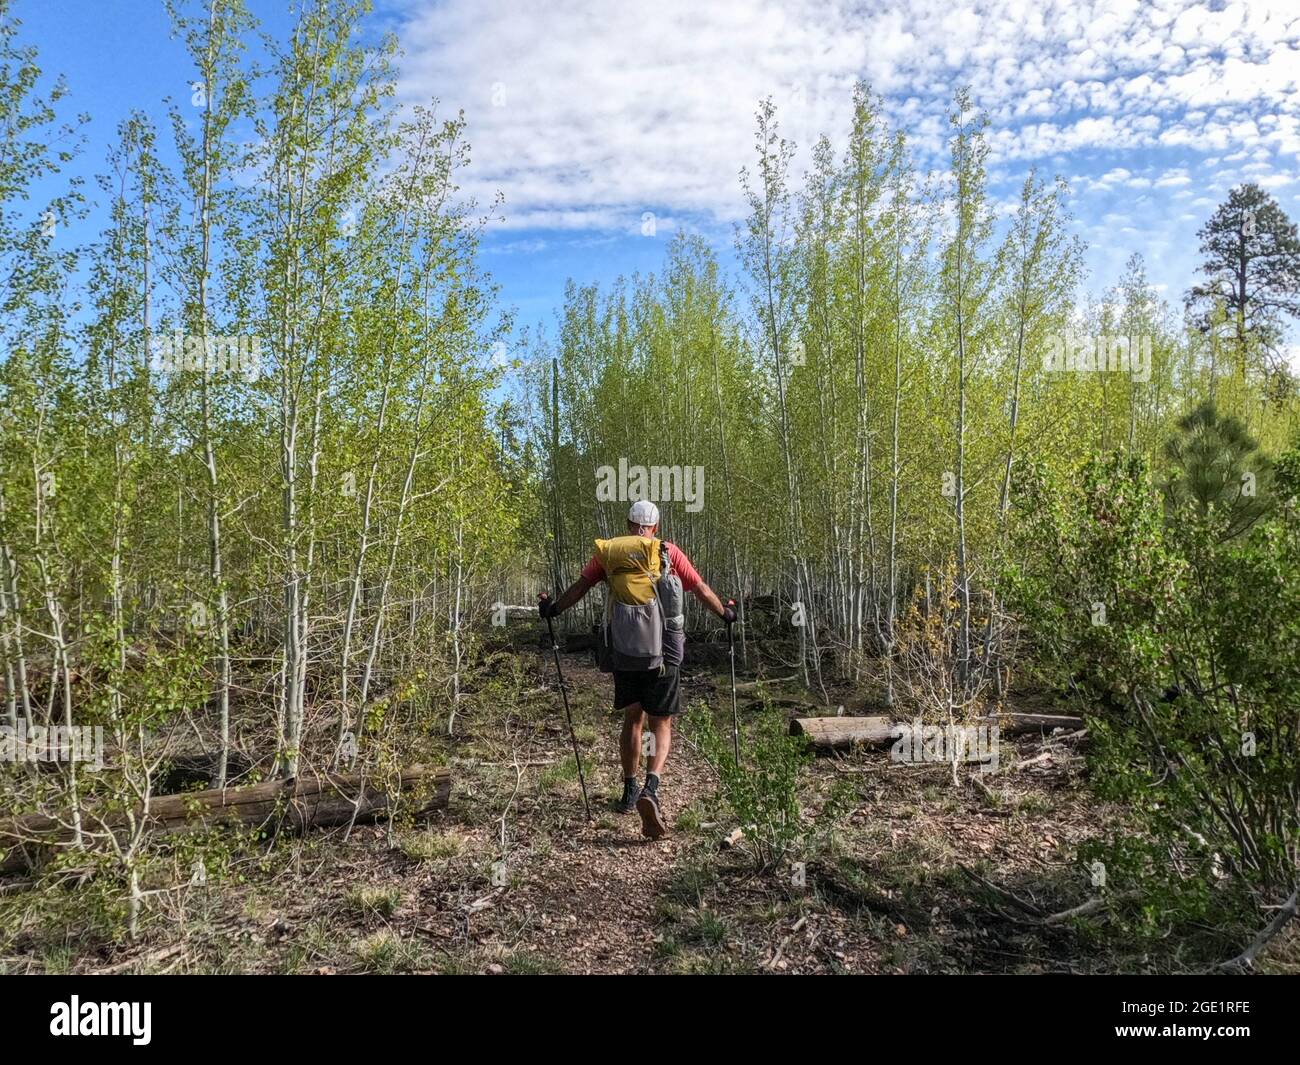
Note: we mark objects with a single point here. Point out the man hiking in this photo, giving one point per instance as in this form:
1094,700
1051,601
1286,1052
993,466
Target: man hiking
642,641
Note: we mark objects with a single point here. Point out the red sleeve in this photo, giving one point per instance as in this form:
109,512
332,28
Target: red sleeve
684,569
593,572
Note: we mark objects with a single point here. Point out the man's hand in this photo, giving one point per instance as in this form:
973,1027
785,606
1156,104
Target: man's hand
553,609
729,612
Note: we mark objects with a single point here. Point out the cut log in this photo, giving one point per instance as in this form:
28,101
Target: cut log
833,733
318,801
837,732
1019,724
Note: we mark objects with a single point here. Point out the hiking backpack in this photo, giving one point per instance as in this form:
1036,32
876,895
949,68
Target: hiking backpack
644,598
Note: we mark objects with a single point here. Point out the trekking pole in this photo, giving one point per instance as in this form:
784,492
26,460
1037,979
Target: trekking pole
564,692
735,716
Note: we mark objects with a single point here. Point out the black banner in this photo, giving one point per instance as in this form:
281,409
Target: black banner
193,1015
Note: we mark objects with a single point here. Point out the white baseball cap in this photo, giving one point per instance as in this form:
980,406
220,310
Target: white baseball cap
643,512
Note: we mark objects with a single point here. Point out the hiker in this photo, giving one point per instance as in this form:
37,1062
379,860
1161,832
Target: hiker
642,641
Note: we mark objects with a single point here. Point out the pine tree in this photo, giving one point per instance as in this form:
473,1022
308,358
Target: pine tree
1251,267
1215,465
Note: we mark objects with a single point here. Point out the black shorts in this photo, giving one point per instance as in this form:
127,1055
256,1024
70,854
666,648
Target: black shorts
657,692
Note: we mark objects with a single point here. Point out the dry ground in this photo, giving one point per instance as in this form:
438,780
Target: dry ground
512,878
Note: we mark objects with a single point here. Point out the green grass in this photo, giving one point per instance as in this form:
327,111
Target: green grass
56,960
430,846
556,776
370,899
690,883
525,964
387,953
708,930
690,819
517,963
310,947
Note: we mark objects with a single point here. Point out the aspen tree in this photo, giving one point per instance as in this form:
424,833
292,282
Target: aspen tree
965,284
766,253
213,41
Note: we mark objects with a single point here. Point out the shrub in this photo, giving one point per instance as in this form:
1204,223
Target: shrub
1176,634
762,791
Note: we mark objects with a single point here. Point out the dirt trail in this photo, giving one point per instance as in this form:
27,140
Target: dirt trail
587,892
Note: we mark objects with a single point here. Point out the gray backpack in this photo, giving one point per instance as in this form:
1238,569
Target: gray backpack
632,635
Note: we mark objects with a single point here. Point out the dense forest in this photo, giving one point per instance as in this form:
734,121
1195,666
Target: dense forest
281,477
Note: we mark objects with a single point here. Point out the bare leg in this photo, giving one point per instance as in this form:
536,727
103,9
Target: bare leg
629,744
662,730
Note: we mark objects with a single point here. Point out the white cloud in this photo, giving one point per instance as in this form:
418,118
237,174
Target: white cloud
588,113
518,247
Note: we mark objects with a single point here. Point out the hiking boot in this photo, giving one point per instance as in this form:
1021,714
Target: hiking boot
631,792
653,825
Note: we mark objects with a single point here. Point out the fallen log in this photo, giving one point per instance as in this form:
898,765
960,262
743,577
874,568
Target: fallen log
749,685
836,732
317,801
832,733
578,641
1020,724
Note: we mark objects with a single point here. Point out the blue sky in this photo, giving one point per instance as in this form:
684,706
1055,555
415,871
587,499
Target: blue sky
588,116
